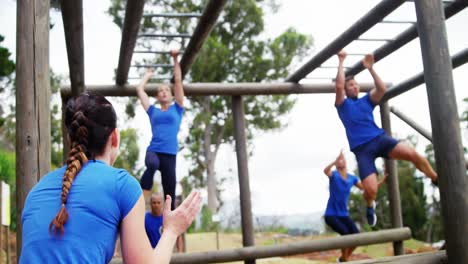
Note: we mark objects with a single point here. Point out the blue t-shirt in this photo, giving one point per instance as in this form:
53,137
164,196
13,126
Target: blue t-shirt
339,194
99,199
358,120
153,226
165,127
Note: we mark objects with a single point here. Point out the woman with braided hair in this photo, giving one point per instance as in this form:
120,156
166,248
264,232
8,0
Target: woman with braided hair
73,214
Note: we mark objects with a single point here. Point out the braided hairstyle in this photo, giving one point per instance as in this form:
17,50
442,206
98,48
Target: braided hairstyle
90,119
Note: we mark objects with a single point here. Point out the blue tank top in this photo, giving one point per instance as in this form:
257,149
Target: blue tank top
358,121
99,199
153,227
165,126
339,194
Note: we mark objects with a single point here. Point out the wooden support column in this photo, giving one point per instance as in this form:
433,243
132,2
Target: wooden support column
392,182
72,16
243,170
448,147
32,100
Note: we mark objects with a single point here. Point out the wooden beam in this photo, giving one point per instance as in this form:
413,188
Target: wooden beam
392,183
205,25
437,257
203,89
32,100
294,248
445,123
248,234
133,15
72,16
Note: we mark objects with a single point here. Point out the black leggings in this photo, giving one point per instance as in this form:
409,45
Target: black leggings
166,164
343,225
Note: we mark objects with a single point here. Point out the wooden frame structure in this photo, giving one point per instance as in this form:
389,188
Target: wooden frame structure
33,141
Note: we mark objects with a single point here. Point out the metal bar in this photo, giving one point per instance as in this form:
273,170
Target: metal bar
422,131
397,22
248,237
32,101
404,38
205,25
153,65
448,146
72,16
359,27
131,26
202,89
294,248
457,60
165,35
374,39
174,15
392,182
155,52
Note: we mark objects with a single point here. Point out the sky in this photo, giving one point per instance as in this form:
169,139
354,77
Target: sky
286,167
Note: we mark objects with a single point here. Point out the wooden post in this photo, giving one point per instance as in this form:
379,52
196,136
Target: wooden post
448,147
7,242
243,170
32,100
392,182
72,16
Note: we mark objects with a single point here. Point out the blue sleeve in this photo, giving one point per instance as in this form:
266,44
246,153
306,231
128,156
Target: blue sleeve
150,110
368,100
128,192
356,180
179,109
341,105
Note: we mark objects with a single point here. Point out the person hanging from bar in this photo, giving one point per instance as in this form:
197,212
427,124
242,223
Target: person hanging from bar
366,140
75,213
336,215
165,123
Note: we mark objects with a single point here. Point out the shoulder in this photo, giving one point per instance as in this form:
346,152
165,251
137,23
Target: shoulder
151,109
177,107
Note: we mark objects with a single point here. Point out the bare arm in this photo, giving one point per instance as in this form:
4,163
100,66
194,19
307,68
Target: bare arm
178,87
142,95
136,247
340,80
328,169
378,92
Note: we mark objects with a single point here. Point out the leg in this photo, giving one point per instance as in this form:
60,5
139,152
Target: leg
146,181
338,226
353,230
404,152
168,176
368,174
370,188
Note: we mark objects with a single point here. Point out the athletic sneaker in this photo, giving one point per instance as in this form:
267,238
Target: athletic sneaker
371,216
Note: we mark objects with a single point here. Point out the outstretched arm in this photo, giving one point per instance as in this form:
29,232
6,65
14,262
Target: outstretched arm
340,80
136,247
178,87
142,95
328,169
378,92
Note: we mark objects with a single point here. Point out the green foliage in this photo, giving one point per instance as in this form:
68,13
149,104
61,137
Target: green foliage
7,66
129,152
207,223
8,175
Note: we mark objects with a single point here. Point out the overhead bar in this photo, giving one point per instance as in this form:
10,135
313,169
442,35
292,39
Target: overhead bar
374,16
174,15
205,25
404,38
422,131
200,89
457,60
133,14
164,35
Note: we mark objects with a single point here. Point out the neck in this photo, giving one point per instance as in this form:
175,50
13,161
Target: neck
342,171
156,213
165,106
104,158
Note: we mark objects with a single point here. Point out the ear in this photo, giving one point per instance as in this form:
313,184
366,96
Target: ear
115,138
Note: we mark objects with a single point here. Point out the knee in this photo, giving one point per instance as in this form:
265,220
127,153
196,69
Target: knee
371,192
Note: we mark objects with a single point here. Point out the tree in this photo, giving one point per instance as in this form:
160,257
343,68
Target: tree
129,151
234,52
